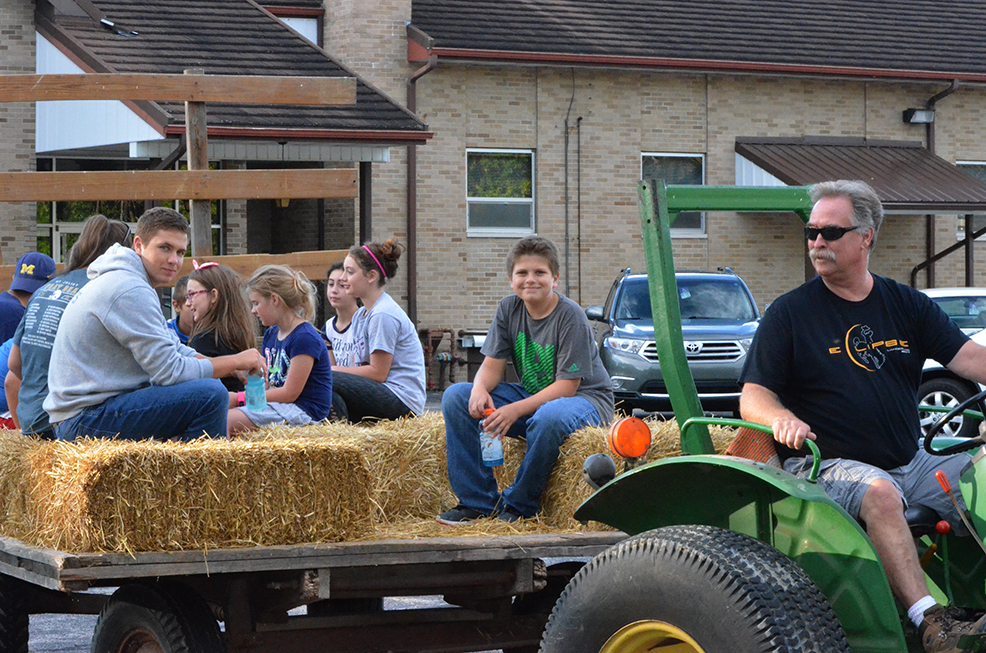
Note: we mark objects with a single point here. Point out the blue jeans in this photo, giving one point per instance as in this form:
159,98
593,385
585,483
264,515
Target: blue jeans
185,411
356,397
545,431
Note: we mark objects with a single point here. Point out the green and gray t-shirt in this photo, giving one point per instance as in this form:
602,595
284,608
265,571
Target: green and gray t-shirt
559,346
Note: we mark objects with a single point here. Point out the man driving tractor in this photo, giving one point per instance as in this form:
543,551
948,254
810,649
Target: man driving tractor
838,360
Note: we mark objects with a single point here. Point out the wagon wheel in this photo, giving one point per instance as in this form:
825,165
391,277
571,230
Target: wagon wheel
13,615
156,618
696,589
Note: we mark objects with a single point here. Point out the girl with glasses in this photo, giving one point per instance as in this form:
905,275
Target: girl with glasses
221,320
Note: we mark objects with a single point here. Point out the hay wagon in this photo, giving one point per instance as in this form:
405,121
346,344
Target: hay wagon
500,591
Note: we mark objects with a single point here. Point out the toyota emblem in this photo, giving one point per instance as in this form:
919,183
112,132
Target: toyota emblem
693,347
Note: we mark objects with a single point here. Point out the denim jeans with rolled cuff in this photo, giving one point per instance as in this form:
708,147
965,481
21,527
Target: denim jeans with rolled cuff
545,431
185,411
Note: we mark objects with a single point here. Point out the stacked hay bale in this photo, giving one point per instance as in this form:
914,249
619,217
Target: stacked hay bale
322,483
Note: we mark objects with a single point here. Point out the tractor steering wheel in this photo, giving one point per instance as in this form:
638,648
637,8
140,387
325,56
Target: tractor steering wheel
937,427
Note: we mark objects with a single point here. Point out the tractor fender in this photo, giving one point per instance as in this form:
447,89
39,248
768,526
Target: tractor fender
789,513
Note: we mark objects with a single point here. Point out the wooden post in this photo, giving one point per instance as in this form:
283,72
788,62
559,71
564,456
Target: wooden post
198,159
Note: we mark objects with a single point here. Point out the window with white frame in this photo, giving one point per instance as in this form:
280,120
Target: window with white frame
678,169
977,170
499,192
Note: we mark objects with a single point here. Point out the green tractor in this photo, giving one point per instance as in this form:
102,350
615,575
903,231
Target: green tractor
732,555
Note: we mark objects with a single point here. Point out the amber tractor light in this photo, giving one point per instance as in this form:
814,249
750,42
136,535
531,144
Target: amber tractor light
629,438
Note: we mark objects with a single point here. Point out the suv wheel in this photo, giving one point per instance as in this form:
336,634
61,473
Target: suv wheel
946,393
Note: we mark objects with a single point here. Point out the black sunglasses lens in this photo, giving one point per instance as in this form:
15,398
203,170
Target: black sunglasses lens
828,233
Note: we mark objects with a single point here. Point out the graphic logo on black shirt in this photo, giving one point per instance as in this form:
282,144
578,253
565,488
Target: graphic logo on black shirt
867,352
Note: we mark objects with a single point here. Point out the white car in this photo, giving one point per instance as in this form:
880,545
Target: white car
941,387
966,306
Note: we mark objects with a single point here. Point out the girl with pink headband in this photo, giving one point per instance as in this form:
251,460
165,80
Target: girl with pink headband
388,379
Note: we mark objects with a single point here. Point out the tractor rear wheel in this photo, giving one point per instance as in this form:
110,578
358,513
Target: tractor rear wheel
695,589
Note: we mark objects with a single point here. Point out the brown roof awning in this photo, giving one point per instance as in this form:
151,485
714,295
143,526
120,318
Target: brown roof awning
907,177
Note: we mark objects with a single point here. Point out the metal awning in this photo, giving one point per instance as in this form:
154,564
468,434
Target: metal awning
906,176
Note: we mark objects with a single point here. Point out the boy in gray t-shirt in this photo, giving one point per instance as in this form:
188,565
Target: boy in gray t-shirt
563,388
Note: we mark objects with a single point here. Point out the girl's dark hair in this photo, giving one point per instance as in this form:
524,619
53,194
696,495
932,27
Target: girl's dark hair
230,316
98,235
291,285
333,268
386,255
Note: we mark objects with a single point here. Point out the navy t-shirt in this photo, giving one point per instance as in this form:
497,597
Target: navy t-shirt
11,313
851,370
316,397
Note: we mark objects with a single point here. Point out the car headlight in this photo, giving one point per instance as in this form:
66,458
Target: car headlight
745,343
626,345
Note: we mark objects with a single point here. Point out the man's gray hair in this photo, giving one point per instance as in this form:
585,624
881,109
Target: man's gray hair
867,211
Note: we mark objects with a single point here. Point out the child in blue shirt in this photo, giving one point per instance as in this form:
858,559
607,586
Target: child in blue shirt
299,370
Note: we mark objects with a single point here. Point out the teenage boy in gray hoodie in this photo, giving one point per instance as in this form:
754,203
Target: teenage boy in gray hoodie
117,369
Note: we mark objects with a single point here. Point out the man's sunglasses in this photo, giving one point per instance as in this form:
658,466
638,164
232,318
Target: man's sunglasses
828,233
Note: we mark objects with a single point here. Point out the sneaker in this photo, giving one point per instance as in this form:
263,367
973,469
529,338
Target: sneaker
942,632
459,516
509,515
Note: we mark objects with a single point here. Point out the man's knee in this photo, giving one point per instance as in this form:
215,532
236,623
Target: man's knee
882,498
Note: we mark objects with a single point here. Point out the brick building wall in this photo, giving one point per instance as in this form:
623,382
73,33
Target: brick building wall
627,113
18,233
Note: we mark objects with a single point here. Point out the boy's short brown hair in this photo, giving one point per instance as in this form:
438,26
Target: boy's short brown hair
534,246
160,218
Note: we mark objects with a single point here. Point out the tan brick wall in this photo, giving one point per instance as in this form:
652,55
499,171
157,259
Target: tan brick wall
624,114
18,233
370,36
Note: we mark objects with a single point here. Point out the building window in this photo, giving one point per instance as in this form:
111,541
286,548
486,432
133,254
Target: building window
686,169
977,170
499,192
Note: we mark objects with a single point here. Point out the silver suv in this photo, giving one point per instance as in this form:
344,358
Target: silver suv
718,320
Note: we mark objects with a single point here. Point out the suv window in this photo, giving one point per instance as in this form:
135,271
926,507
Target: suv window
722,299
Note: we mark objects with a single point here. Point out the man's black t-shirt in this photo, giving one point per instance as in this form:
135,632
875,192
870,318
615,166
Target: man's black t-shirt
851,370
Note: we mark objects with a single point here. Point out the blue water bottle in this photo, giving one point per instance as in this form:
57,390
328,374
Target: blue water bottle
256,397
490,446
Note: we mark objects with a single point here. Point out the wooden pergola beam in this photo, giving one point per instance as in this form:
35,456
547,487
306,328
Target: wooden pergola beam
237,89
177,184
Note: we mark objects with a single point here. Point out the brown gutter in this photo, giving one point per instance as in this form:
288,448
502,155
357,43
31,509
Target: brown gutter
349,136
412,194
705,65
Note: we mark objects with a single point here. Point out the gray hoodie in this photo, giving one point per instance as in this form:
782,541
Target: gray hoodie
113,339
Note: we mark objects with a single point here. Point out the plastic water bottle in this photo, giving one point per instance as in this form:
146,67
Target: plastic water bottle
491,447
256,397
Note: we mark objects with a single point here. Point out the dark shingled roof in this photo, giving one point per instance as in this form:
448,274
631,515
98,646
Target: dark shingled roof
232,37
910,38
906,176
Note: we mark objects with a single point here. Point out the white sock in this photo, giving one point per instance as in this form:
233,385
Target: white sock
916,612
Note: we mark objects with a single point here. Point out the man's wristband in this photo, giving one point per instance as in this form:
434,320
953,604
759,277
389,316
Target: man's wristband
241,398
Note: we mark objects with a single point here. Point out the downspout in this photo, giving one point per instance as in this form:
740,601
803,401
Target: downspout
929,219
568,282
412,195
578,196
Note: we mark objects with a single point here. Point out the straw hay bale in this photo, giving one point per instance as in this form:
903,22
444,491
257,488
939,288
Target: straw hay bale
406,458
100,495
279,485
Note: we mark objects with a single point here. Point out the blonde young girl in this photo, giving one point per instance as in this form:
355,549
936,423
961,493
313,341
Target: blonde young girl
388,380
299,372
221,320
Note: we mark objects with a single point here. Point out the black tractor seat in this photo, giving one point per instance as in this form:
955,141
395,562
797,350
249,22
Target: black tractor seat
921,519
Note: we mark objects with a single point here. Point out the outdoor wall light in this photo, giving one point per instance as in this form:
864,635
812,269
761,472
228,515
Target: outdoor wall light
919,116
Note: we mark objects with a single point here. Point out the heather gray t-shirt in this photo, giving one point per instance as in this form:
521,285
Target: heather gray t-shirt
559,346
